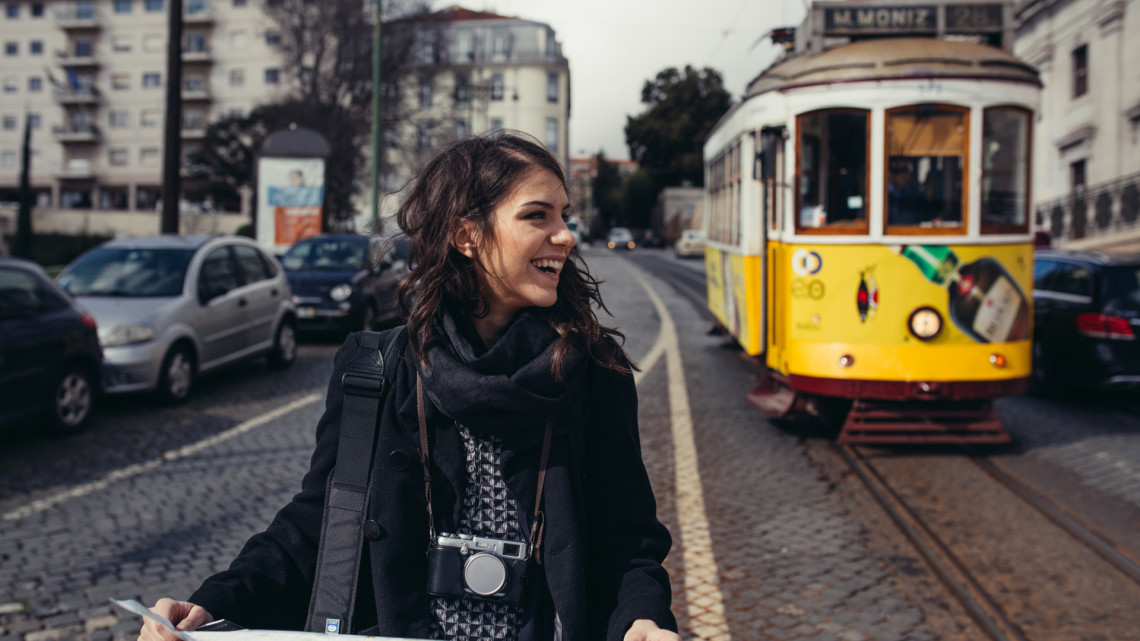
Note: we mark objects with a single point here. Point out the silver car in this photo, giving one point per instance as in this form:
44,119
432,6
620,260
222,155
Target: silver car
170,308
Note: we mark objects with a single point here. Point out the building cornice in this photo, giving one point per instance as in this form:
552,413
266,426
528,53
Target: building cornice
1076,137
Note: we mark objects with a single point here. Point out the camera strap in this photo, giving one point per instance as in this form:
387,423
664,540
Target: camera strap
537,527
367,379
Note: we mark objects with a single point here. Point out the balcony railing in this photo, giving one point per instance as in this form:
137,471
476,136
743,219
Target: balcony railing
196,94
70,59
76,133
1101,209
198,15
80,96
197,54
76,18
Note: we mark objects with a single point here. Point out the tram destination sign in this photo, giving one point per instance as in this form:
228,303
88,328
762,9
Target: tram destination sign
918,19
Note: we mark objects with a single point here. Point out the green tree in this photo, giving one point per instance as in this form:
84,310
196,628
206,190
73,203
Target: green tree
606,188
682,108
637,199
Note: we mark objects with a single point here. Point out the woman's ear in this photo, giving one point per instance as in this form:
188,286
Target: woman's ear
464,239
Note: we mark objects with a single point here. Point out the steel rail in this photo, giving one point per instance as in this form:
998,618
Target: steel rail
1079,531
958,580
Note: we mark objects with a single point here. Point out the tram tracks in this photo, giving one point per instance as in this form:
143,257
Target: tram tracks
1005,602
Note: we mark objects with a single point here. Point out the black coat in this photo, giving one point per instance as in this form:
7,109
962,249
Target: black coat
603,547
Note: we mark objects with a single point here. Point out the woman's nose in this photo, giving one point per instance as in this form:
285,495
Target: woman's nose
562,236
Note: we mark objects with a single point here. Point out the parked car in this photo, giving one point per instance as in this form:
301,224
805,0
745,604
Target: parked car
1086,320
620,238
344,282
171,308
691,243
49,352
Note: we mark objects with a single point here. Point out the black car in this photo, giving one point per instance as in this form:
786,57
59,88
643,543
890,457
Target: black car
1086,320
344,282
49,352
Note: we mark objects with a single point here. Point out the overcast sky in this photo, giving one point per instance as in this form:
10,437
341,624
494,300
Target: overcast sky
614,46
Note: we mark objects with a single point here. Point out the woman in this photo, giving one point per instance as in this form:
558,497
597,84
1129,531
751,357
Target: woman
503,339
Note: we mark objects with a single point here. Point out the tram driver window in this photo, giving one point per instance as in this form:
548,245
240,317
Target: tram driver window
1005,170
926,159
831,188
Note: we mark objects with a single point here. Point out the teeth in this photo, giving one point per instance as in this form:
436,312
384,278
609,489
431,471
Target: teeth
554,265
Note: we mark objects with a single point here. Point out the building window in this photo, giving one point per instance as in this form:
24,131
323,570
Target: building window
552,135
237,77
196,43
1077,178
1080,70
427,87
239,39
154,6
499,44
460,128
11,48
496,124
37,9
36,47
11,84
150,117
551,45
35,84
120,80
84,48
423,136
9,122
194,120
8,158
121,43
551,87
194,84
34,121
831,178
462,89
119,118
195,7
497,86
117,157
154,42
13,10
272,76
1005,169
148,156
240,3
124,6
272,38
151,80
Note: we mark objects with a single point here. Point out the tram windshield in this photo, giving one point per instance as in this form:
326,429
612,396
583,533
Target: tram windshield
832,172
926,156
1005,169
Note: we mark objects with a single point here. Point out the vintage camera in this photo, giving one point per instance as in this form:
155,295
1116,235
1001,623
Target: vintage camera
482,568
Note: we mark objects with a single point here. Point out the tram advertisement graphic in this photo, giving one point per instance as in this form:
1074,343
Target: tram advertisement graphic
983,299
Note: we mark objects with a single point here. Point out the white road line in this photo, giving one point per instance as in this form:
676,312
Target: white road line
704,599
153,464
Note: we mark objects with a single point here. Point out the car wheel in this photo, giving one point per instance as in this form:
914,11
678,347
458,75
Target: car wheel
284,350
177,375
73,396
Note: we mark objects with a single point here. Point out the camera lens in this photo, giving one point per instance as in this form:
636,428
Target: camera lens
484,574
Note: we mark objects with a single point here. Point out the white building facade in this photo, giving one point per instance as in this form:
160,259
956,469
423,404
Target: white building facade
1086,157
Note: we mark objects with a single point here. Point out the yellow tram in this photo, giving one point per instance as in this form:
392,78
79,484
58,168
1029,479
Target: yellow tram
868,222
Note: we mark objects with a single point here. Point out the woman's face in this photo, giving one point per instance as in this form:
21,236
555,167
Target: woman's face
519,264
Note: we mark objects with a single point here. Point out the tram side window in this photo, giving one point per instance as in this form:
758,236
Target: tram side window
926,160
1005,170
831,174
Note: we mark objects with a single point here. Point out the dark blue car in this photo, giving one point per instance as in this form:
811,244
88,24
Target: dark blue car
49,352
344,282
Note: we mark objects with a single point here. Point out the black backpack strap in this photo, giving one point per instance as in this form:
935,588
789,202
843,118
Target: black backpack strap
367,378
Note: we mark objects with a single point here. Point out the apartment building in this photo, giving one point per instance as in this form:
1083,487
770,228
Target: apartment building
91,76
1086,157
477,72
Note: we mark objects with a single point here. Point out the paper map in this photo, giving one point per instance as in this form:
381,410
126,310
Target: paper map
134,607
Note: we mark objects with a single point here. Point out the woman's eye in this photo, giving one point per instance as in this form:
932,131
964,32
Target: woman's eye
565,217
537,215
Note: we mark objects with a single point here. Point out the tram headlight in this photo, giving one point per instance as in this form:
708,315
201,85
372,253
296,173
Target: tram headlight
925,323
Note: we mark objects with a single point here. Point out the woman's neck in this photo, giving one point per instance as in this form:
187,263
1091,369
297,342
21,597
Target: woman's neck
492,326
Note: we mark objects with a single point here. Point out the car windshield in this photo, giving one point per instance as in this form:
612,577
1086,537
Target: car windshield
326,254
128,272
619,233
1122,288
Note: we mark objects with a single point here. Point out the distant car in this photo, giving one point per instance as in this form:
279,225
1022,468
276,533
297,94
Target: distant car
575,227
620,238
691,243
652,239
49,352
1086,320
344,282
171,308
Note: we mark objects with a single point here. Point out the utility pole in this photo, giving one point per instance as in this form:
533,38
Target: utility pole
376,112
172,140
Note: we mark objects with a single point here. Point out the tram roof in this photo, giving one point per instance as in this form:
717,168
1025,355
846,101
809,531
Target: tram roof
894,59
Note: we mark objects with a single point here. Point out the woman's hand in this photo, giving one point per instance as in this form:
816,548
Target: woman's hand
185,616
646,630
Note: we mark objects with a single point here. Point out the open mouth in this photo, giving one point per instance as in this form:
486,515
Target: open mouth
548,266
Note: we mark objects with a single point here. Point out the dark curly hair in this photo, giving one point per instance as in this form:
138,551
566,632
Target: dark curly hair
465,182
